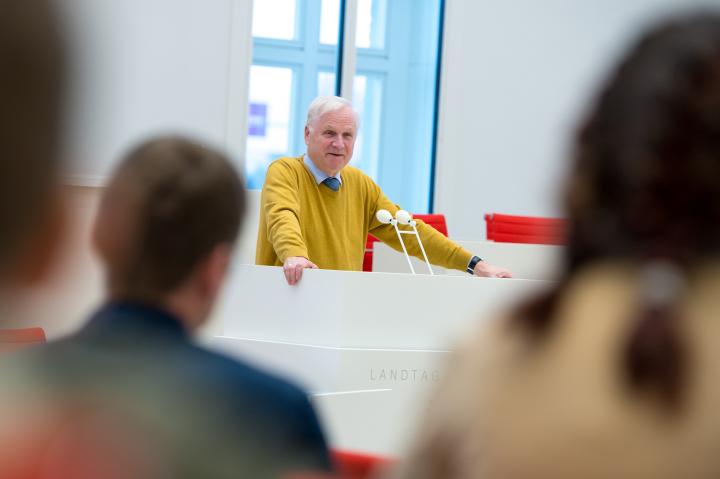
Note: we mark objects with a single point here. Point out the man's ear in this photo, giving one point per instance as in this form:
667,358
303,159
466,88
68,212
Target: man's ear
214,269
114,226
106,230
97,235
307,134
37,255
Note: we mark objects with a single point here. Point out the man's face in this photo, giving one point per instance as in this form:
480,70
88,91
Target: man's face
330,140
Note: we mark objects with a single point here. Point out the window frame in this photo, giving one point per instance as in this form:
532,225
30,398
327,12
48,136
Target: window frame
307,56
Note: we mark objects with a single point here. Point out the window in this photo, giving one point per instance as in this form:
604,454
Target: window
371,24
329,22
394,88
269,118
367,99
290,68
275,19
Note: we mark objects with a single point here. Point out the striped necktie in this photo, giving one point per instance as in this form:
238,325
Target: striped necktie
332,183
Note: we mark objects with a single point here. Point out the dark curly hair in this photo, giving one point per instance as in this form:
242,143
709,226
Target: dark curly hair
645,186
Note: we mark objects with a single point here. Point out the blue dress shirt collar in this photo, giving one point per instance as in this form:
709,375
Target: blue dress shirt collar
319,175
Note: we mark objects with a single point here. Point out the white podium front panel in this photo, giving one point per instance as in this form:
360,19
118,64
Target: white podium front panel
525,261
382,422
362,310
367,346
368,400
322,370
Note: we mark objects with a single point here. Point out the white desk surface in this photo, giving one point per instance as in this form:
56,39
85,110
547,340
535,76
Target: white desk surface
525,261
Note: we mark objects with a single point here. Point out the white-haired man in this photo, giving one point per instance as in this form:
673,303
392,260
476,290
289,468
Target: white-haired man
316,211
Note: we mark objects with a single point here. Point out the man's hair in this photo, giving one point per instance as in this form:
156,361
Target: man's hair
31,86
326,104
183,200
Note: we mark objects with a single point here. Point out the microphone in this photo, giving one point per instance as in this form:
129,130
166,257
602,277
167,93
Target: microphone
404,218
385,217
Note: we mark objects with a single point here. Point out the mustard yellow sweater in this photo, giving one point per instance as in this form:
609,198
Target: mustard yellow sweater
298,217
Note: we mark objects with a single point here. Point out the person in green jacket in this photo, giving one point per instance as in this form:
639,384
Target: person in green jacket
316,211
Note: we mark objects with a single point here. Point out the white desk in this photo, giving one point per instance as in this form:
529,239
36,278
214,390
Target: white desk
368,346
525,261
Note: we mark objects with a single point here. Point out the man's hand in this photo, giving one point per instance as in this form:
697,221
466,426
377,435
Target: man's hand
293,268
490,271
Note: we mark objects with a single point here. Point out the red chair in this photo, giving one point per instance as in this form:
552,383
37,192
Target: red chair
355,465
525,229
14,339
437,221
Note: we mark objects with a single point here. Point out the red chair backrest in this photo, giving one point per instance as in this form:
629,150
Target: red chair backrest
437,221
355,465
525,229
13,339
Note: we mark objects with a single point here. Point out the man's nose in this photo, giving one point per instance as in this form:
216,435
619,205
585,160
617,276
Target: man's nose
338,143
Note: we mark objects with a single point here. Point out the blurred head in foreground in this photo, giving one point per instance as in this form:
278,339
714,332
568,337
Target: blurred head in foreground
31,87
645,188
646,175
613,372
131,394
166,227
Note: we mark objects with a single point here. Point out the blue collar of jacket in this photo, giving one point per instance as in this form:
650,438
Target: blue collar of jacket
132,317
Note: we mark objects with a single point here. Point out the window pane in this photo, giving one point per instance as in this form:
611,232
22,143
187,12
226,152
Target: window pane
398,97
326,84
286,77
371,21
367,99
329,22
268,120
274,19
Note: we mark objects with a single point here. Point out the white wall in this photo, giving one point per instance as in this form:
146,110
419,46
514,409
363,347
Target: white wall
143,67
139,68
516,77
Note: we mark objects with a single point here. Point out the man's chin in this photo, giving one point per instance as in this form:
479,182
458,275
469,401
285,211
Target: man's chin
336,163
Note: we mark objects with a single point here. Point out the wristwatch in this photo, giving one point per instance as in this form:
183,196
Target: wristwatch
471,265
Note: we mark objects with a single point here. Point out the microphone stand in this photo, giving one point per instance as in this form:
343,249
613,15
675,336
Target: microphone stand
403,217
394,222
413,223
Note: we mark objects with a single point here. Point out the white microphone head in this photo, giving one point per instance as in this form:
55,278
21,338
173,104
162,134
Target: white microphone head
384,217
403,217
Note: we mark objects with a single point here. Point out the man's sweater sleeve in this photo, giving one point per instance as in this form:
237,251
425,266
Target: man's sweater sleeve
280,203
441,251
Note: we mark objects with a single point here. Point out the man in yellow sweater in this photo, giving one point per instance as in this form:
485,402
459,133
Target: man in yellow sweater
316,211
